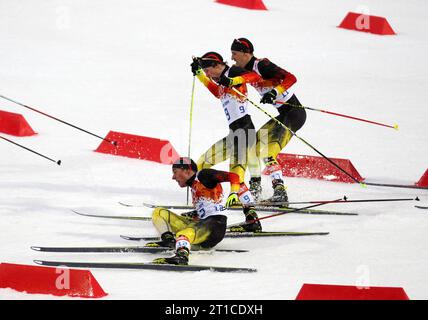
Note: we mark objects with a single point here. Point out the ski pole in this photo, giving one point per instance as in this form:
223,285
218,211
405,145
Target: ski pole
395,126
389,185
319,203
298,209
190,128
300,138
346,200
191,116
41,155
286,212
59,120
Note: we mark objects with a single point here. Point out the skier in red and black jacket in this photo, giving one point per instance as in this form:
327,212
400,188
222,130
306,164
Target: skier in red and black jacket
277,85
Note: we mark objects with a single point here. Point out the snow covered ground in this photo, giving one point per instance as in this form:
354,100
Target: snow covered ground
124,66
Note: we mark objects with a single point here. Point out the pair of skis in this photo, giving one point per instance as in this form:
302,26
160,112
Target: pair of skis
277,209
264,207
267,207
151,266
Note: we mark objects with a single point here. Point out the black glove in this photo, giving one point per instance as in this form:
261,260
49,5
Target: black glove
195,66
191,215
225,81
269,97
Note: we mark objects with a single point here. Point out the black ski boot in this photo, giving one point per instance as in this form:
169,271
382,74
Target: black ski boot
279,193
254,226
167,240
250,215
181,257
256,188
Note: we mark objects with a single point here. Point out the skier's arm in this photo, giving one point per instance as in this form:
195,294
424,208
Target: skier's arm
271,71
210,178
239,76
207,82
249,77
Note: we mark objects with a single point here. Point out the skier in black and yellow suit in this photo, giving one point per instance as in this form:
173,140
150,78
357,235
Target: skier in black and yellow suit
204,227
276,85
210,69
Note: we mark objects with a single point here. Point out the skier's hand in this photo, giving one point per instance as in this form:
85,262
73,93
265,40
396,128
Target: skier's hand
196,67
232,199
269,97
225,81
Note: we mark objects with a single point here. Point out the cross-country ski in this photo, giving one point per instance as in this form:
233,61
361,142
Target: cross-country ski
124,249
142,266
244,234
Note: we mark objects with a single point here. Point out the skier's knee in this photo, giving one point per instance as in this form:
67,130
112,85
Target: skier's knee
202,163
160,212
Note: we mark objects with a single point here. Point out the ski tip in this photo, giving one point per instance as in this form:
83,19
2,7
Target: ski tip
421,207
396,127
36,248
149,205
124,204
40,262
77,212
126,237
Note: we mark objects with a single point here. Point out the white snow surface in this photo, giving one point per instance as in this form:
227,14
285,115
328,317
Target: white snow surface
124,66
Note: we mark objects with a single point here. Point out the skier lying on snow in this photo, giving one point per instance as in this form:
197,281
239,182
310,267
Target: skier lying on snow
206,225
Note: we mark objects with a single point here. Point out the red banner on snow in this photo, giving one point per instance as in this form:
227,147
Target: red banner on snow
423,181
247,4
366,23
340,292
294,165
139,147
48,280
14,124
